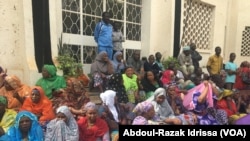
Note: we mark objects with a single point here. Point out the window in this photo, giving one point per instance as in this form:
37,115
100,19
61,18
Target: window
79,18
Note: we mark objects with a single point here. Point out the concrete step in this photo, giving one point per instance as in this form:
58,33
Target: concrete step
94,96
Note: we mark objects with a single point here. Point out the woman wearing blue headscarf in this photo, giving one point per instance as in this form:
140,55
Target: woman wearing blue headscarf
26,128
118,63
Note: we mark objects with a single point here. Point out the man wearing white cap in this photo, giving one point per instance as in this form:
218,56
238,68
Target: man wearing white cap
186,62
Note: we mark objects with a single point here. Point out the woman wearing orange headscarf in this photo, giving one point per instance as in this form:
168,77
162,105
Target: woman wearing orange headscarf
15,91
39,105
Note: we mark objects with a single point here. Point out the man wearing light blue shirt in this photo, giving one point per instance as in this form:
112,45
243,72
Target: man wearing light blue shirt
103,35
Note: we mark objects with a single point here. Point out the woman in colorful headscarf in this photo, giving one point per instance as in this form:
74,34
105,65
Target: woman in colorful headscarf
39,105
145,114
118,63
15,91
227,103
26,128
91,127
162,107
112,112
240,72
51,83
63,127
130,81
100,69
175,99
7,116
74,96
168,77
244,88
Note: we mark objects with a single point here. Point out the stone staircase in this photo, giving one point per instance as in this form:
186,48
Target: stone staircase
94,95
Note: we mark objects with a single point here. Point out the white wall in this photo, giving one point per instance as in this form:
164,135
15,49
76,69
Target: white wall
157,27
16,32
219,30
243,20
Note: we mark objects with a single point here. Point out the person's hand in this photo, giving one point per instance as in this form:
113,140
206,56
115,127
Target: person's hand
205,83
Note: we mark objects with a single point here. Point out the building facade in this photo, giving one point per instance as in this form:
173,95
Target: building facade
32,29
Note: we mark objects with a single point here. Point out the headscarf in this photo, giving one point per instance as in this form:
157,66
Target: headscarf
13,81
35,133
108,99
3,100
115,84
225,93
71,122
90,105
59,130
8,117
116,63
53,83
44,106
142,107
163,110
99,65
166,77
51,69
186,48
22,90
130,83
140,120
99,128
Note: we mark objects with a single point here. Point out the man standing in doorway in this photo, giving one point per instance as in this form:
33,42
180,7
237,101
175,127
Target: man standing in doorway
103,35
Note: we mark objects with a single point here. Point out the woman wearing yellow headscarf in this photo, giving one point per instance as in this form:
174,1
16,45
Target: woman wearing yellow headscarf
227,103
7,116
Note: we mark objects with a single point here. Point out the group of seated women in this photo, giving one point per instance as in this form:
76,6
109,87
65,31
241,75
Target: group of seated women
201,99
60,109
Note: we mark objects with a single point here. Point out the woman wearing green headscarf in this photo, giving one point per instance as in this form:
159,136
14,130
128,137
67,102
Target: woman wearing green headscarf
51,82
7,117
